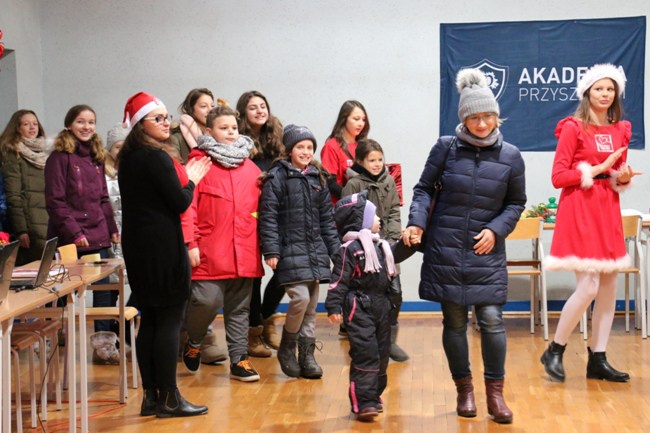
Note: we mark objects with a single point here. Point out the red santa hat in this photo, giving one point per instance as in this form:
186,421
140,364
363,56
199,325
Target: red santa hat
138,106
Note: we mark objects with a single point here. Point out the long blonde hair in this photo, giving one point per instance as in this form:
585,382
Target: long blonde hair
67,142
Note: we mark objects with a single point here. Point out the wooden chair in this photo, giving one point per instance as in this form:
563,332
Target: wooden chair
68,254
44,331
531,229
20,342
632,227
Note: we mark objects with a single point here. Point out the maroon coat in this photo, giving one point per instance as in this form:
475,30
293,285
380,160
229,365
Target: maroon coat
77,200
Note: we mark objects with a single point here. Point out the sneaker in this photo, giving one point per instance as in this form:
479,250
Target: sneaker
244,371
192,357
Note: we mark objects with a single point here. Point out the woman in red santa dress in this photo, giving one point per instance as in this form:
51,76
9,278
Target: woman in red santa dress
591,168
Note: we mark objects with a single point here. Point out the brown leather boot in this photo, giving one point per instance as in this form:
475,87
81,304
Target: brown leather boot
256,345
270,334
465,405
496,404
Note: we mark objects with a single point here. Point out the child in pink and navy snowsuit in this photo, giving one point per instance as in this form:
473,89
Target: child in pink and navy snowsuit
358,296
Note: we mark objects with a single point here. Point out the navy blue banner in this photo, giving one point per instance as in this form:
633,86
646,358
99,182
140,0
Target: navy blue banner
533,68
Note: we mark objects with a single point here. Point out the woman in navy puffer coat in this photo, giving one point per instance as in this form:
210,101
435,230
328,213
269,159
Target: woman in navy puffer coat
481,200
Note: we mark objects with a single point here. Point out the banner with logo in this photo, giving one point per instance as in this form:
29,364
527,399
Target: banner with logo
533,68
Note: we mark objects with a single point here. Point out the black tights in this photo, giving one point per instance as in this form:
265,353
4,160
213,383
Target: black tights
263,309
157,346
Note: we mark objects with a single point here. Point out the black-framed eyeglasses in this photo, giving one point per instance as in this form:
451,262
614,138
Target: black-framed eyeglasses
160,118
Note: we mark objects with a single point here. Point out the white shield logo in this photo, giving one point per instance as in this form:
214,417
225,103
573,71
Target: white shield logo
497,76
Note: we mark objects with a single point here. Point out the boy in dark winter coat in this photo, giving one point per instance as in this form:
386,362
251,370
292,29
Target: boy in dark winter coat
358,296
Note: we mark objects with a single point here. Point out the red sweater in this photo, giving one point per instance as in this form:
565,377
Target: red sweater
336,161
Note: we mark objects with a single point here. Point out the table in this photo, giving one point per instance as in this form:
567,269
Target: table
80,278
21,303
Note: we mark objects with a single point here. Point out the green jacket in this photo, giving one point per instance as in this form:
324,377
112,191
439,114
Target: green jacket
25,186
383,194
179,143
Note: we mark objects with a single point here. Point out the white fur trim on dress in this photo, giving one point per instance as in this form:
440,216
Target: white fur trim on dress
577,264
613,181
586,180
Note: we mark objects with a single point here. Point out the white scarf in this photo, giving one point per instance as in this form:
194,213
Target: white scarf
34,151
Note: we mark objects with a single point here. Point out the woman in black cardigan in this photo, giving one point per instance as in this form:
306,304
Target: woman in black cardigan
155,190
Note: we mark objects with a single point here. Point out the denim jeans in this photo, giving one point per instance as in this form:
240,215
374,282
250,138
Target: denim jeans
493,339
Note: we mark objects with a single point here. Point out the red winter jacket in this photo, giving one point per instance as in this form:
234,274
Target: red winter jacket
225,222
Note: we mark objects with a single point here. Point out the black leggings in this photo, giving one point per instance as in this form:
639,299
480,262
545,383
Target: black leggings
157,346
263,309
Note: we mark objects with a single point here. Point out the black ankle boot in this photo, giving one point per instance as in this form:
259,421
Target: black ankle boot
172,404
552,360
599,368
287,354
149,402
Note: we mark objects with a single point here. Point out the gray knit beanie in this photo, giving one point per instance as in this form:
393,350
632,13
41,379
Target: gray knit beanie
294,134
115,134
475,95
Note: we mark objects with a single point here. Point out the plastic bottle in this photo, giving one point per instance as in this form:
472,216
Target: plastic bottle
551,210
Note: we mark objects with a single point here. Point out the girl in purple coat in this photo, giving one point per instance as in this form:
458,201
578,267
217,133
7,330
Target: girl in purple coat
76,196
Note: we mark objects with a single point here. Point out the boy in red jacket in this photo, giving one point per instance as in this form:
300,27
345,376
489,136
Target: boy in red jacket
224,254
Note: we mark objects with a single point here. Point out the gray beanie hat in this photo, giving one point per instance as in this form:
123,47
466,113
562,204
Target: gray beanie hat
294,134
115,134
475,95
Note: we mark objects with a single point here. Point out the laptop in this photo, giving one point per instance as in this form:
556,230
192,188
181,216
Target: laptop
26,281
7,261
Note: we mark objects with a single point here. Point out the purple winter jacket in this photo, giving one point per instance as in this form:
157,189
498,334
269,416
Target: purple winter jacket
76,198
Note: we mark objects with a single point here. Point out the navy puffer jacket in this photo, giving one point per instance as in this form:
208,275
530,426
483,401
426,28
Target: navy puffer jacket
296,224
481,188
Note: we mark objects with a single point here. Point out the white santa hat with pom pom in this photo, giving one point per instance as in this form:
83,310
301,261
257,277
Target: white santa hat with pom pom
598,72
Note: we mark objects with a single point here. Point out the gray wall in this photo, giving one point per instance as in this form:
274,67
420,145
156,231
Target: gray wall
307,57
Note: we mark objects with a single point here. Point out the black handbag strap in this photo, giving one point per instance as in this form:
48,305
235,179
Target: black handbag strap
437,185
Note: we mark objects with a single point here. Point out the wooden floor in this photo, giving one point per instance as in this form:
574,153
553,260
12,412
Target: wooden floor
420,396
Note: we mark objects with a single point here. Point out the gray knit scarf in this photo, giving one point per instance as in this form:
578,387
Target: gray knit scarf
228,155
367,238
463,134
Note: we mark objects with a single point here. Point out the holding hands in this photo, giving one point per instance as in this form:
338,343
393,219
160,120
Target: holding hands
335,318
412,235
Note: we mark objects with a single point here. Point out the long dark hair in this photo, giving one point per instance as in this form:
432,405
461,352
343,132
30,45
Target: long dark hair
269,142
138,138
187,106
339,125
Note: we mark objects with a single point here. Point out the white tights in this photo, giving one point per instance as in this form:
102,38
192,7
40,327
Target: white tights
590,286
